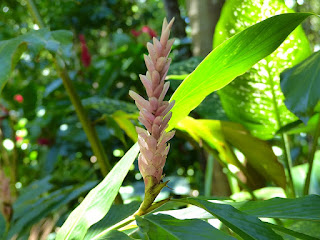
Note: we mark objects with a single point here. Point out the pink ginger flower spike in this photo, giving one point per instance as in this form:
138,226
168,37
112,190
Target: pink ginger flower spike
155,112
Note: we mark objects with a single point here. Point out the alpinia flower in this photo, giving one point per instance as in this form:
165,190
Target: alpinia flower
155,112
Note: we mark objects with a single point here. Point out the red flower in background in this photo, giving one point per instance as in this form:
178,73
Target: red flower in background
144,29
19,139
44,141
18,98
85,54
150,31
135,33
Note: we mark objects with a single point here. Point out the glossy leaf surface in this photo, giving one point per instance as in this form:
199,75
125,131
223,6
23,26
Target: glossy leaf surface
255,99
300,86
231,59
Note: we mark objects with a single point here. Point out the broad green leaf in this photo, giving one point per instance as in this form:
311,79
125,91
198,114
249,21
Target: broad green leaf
219,134
246,226
116,214
123,120
300,86
304,208
99,200
257,152
163,226
11,50
255,99
231,59
211,106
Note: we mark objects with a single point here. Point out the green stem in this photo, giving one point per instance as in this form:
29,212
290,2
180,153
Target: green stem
88,128
35,13
288,163
311,158
208,176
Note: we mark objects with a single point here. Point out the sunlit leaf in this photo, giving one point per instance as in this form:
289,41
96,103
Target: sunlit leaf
255,98
123,120
300,86
219,134
98,201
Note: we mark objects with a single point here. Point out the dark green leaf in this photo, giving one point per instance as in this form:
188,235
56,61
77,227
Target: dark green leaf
99,200
231,59
246,226
255,99
109,106
116,214
163,226
300,86
304,208
291,232
2,226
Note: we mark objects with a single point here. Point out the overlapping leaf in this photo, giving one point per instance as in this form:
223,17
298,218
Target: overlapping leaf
99,200
300,86
219,134
255,98
12,49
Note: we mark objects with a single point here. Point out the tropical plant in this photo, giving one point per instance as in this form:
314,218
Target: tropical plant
250,56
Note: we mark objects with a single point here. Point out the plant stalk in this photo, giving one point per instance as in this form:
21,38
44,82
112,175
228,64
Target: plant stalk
311,158
35,13
88,128
208,176
288,164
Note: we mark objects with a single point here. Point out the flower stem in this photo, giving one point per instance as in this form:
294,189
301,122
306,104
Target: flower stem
311,158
